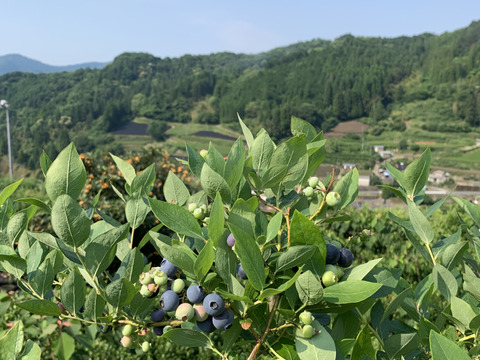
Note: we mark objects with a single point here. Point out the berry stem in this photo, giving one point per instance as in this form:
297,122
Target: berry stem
262,338
324,200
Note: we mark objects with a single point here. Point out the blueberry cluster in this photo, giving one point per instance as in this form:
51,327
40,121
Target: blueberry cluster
306,318
191,304
336,260
199,212
313,183
129,339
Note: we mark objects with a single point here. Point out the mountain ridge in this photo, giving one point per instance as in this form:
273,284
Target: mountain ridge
20,63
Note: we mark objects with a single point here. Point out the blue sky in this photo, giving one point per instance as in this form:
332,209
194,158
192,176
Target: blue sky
69,32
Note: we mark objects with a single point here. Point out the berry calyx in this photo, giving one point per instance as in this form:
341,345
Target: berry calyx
333,198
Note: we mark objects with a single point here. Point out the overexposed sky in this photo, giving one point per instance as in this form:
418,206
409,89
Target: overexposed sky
69,31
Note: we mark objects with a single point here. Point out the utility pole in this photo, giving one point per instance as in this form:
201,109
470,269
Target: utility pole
4,104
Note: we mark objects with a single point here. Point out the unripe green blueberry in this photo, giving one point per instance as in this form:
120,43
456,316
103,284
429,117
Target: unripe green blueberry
308,191
178,285
333,198
127,330
192,207
126,341
145,346
184,312
146,279
198,214
329,278
337,243
203,208
206,220
200,313
335,268
313,182
160,278
145,292
306,317
308,331
204,153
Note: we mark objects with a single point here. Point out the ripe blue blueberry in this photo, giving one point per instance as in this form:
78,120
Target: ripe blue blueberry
223,321
332,254
158,330
195,294
206,326
168,268
230,240
213,304
240,272
346,258
169,300
158,315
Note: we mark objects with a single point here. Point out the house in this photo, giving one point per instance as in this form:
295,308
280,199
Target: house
386,154
349,166
364,180
378,148
401,166
438,177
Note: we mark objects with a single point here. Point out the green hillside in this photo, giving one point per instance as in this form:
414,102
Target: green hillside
425,85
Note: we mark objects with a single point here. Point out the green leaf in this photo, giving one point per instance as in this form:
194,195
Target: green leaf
243,217
216,225
38,203
69,221
215,160
395,304
286,349
144,180
445,282
299,126
282,288
347,187
212,182
360,271
187,337
352,291
8,191
175,190
66,174
415,176
225,260
40,307
11,262
319,347
261,152
274,226
16,226
246,132
363,347
397,174
131,266
64,347
420,223
176,218
12,342
101,250
120,292
140,304
45,162
43,277
204,261
137,209
294,256
309,288
250,256
195,161
470,209
462,311
73,292
31,351
177,255
234,165
288,164
94,306
445,349
127,170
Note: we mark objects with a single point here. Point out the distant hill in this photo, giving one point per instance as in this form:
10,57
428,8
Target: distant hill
15,62
425,83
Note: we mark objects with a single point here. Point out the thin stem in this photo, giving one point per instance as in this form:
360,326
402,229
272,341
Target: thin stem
274,352
324,200
94,280
365,322
473,336
131,238
267,203
64,316
431,254
287,218
262,338
281,327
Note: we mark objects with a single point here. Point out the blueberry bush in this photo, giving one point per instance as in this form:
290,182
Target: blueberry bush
244,263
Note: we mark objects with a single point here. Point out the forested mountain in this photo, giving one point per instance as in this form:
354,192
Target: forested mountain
15,62
324,82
